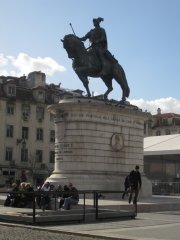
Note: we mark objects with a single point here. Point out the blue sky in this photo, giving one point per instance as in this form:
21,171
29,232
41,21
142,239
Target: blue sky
144,36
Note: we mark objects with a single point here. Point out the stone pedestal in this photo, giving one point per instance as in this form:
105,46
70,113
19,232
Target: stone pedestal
97,144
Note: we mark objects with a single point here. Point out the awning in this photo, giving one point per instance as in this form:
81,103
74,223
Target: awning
162,145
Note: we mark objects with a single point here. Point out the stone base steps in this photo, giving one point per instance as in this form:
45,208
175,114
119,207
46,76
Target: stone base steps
147,207
107,209
63,216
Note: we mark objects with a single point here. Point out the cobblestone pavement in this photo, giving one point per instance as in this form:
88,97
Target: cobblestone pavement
147,226
20,233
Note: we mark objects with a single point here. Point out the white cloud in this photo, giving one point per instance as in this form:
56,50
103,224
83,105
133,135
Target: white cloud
3,60
24,64
167,105
9,73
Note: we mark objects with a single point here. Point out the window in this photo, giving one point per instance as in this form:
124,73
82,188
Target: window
52,136
51,117
7,173
10,108
39,134
39,156
9,131
24,155
25,112
168,132
39,113
51,157
159,122
56,99
40,94
25,131
145,128
165,121
9,154
158,133
11,90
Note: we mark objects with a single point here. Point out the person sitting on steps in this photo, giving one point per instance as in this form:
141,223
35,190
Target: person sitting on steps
72,199
65,194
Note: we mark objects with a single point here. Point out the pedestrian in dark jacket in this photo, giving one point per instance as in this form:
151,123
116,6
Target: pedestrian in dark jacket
135,184
126,186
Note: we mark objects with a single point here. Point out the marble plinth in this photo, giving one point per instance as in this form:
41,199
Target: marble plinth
97,144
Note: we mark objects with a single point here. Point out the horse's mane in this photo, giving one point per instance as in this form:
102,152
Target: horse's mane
69,36
72,37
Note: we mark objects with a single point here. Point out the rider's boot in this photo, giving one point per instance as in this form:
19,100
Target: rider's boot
104,65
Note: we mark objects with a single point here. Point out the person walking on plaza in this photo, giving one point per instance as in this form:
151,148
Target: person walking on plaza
135,184
126,186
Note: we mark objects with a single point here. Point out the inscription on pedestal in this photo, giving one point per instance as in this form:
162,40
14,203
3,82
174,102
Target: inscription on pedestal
100,117
63,149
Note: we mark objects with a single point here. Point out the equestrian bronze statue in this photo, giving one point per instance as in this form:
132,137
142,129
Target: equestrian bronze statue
96,61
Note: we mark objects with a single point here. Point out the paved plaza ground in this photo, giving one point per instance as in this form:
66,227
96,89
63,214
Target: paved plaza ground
147,226
162,225
21,233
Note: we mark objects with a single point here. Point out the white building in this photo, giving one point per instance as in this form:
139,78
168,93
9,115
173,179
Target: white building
27,132
162,158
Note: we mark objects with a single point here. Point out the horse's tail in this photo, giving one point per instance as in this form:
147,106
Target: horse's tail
120,77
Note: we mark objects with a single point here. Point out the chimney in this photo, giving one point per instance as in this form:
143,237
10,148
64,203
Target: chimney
158,111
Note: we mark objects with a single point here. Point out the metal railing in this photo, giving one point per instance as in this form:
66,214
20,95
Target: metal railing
113,211
90,204
166,188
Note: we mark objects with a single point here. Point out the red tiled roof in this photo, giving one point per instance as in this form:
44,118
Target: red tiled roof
166,115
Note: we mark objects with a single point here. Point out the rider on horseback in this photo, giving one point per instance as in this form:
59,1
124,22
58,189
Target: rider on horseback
98,39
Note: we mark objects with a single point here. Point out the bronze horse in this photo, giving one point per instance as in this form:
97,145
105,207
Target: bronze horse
87,64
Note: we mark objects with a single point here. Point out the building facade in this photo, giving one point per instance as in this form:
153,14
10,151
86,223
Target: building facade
27,133
163,124
162,151
162,157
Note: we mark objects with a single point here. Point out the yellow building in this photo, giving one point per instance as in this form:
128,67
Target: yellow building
165,124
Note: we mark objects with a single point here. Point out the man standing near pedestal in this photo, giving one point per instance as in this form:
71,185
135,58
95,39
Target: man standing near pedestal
135,184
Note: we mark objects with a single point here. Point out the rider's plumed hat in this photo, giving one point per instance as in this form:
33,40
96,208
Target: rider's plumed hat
99,19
